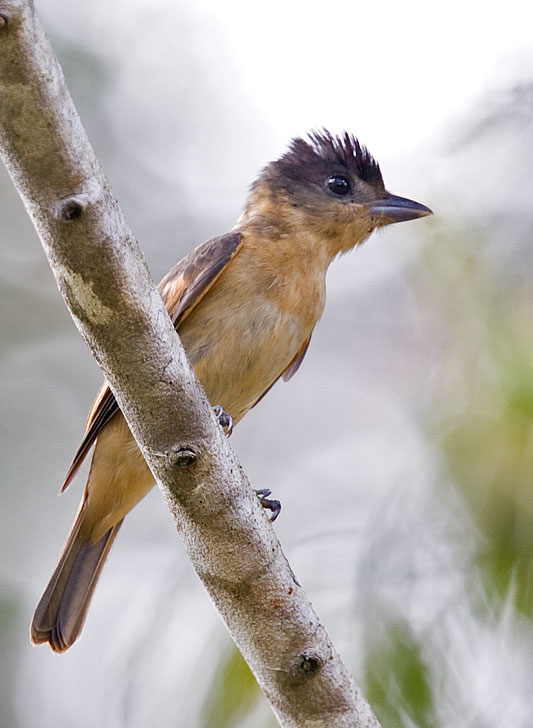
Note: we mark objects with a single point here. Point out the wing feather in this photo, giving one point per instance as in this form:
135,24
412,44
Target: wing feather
289,371
293,367
181,290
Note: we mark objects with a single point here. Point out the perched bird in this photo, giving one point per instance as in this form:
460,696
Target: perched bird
245,305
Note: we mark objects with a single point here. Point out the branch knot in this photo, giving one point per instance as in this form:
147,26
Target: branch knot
70,209
310,662
183,457
305,665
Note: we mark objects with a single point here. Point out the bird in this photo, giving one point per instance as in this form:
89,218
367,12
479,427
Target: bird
245,305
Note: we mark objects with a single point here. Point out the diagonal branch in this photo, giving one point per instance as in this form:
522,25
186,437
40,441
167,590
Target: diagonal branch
103,278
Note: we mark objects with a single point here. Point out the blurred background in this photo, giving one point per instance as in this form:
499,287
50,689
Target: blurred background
403,449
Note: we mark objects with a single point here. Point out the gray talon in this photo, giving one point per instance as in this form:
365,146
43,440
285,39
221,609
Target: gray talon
225,420
269,503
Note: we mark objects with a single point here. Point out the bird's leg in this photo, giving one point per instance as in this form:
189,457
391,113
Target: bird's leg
225,420
269,503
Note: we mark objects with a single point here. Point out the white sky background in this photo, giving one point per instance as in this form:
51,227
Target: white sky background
393,73
391,70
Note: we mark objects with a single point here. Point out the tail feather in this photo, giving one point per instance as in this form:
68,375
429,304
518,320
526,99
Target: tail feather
61,612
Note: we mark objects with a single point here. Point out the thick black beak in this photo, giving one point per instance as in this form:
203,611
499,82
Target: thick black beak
396,209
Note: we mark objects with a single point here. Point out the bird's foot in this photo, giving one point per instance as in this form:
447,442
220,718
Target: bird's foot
225,420
270,504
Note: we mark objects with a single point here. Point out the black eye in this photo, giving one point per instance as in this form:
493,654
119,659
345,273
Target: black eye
338,184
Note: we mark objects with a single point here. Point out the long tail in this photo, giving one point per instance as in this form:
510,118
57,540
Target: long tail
61,612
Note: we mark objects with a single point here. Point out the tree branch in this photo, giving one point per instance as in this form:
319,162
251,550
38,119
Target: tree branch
104,280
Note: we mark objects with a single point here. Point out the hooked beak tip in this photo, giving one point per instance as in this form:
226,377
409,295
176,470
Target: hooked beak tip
396,209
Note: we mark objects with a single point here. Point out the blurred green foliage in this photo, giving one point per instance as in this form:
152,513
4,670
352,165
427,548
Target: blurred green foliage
397,681
485,406
232,693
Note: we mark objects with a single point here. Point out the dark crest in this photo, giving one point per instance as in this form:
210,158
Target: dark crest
308,160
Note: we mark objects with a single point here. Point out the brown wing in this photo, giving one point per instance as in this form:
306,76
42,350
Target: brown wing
289,372
181,289
293,367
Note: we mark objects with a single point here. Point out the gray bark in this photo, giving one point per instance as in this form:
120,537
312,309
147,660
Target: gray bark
105,283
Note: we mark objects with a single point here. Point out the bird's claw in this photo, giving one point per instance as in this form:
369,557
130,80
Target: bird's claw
225,420
269,503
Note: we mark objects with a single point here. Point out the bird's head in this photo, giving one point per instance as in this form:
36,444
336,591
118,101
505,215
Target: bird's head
328,186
